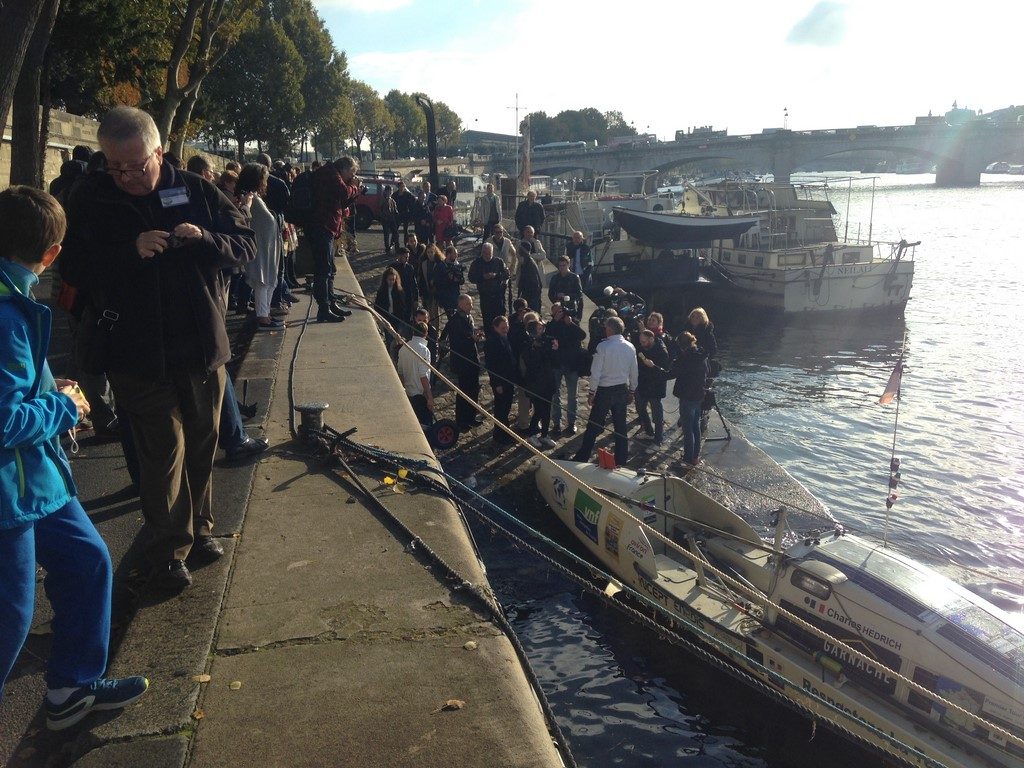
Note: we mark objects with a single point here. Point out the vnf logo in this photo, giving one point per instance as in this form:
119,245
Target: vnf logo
560,489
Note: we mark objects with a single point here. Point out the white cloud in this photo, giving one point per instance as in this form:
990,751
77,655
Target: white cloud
668,65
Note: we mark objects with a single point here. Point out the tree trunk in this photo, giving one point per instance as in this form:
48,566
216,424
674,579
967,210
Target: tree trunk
173,93
17,22
26,159
179,127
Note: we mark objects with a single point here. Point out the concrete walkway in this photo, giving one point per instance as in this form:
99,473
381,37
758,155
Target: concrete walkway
337,646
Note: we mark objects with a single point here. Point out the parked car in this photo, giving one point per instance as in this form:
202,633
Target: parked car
368,203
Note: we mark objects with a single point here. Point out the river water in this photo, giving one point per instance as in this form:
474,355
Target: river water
807,393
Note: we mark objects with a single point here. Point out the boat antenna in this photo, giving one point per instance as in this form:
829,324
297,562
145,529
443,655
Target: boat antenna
871,218
849,191
892,391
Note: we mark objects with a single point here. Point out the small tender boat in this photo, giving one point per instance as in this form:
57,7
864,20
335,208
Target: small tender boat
679,230
838,625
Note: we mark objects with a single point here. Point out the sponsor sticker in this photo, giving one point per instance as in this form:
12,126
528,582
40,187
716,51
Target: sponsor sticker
586,512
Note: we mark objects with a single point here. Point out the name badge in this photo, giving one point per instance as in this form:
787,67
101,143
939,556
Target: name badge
175,196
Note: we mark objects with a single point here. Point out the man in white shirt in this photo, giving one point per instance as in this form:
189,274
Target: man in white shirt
613,379
415,373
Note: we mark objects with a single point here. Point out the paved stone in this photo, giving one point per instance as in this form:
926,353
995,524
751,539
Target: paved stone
371,704
162,752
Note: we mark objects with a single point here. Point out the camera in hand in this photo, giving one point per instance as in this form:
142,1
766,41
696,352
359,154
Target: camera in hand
173,241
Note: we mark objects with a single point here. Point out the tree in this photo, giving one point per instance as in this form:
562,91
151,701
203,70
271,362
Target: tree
17,23
616,124
326,78
29,124
542,128
334,129
448,125
256,90
368,112
410,124
204,33
107,52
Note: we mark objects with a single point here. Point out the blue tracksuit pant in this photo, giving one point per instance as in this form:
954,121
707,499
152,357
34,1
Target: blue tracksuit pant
78,582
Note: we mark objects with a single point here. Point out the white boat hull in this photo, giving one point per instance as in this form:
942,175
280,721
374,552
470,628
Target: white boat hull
718,624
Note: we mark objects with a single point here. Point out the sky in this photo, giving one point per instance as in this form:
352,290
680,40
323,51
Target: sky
672,64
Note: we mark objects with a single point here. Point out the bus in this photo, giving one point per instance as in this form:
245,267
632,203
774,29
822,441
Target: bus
564,146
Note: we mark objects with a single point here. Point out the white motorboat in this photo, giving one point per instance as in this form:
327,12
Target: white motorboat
864,638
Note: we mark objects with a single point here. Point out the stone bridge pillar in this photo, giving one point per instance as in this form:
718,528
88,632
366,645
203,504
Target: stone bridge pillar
783,159
956,173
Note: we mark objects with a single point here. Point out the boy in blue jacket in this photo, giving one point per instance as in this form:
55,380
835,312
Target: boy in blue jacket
41,519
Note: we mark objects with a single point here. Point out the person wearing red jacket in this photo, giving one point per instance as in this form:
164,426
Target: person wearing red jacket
444,217
335,187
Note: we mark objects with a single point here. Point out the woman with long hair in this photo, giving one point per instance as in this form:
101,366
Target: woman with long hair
690,370
432,255
261,272
390,300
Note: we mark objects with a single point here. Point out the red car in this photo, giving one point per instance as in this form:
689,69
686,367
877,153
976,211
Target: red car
368,203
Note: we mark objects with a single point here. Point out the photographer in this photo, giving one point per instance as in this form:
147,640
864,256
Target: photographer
335,187
565,287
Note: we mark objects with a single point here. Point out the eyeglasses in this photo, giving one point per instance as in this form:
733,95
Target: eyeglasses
132,173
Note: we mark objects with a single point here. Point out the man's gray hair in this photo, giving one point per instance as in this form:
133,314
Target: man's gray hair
344,163
488,247
615,325
126,123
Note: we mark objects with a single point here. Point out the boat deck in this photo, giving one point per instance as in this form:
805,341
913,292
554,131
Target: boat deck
741,476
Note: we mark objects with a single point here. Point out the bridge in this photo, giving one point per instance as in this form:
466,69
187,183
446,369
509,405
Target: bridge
960,153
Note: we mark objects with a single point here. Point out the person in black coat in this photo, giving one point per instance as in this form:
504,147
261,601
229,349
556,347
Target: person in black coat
529,213
405,202
565,287
465,361
568,360
580,260
490,275
653,367
391,301
407,278
690,370
504,372
539,380
531,282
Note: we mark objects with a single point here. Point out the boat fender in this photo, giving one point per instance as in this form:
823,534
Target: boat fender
828,663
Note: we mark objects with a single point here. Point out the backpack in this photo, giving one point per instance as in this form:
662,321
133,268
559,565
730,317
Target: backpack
302,204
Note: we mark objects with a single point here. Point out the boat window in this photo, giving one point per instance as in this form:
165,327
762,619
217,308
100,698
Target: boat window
759,261
792,259
820,589
726,256
741,259
987,638
851,257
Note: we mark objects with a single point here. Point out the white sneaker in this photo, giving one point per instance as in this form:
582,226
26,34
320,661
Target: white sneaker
535,442
548,442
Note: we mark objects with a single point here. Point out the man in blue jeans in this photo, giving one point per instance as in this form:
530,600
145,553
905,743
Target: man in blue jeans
41,519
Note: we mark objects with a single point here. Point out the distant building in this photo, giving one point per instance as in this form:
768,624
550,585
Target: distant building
486,142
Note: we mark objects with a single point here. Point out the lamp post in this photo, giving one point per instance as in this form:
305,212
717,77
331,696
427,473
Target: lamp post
428,112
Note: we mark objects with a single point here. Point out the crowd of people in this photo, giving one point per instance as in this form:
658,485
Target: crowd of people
153,256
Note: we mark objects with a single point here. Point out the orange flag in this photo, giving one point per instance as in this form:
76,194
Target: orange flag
893,387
